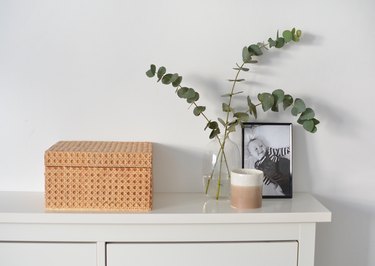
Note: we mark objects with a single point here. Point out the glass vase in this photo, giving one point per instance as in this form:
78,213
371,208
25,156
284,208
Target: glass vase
221,156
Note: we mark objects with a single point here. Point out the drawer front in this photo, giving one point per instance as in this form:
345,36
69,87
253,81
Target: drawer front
218,254
47,254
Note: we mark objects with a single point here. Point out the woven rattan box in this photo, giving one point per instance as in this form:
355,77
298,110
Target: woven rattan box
98,176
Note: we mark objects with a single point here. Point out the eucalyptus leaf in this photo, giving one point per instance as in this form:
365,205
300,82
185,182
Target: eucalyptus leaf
193,98
241,69
243,117
255,49
232,128
222,122
181,92
213,125
316,121
288,36
226,108
254,111
308,125
167,79
208,123
198,110
308,114
280,42
161,71
249,102
278,95
177,82
151,72
174,77
246,56
299,106
267,101
236,80
214,133
287,101
190,93
271,42
232,125
294,111
296,35
252,107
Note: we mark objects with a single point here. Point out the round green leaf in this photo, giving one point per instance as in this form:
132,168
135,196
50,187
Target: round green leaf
287,35
278,95
161,71
252,107
271,42
316,121
226,108
255,49
198,110
174,77
181,92
299,107
280,42
167,79
214,133
243,117
151,72
193,98
213,125
288,101
190,93
267,101
246,56
177,82
308,114
309,125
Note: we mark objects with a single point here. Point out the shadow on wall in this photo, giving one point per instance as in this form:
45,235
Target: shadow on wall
345,241
176,169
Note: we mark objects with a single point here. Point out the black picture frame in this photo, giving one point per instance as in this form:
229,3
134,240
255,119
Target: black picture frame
268,147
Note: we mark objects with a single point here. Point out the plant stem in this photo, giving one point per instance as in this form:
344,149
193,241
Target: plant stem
219,179
213,170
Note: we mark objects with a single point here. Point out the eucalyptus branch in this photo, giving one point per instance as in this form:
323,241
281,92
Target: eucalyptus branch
267,101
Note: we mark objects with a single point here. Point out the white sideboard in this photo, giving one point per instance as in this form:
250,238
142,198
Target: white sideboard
182,229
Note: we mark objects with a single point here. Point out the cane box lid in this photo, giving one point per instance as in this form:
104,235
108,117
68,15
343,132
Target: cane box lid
99,154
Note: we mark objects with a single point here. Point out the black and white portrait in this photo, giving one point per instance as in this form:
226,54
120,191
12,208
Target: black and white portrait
268,147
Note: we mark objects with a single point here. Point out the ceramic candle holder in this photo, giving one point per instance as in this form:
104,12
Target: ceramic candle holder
246,188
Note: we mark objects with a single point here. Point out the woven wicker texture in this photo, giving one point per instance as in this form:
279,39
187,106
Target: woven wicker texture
100,189
99,154
98,176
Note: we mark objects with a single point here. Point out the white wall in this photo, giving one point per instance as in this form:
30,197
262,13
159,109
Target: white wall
75,70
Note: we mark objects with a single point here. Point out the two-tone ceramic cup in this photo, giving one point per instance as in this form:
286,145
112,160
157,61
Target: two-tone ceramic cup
246,188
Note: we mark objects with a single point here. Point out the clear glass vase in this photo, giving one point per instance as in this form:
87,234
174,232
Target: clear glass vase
217,164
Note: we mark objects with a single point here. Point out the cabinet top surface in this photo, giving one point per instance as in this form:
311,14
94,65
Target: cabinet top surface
168,208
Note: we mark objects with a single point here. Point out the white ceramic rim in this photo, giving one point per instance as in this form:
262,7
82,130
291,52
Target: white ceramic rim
246,177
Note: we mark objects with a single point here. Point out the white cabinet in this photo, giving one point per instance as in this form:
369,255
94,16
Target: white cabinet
182,229
218,254
56,254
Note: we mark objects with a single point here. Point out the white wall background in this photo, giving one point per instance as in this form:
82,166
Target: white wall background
75,70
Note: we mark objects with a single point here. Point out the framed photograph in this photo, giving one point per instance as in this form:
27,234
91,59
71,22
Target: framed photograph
268,147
